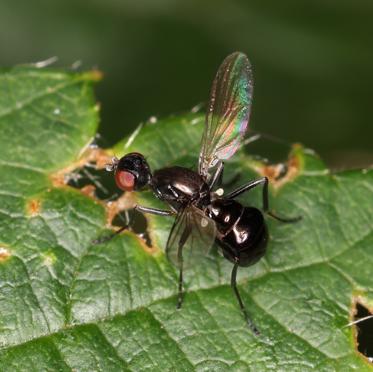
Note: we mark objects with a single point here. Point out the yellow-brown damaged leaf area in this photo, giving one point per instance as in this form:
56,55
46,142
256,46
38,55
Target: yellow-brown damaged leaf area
33,207
4,253
275,172
125,202
97,156
94,75
152,250
89,191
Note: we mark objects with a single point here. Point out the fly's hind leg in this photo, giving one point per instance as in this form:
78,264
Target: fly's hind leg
248,320
264,182
180,294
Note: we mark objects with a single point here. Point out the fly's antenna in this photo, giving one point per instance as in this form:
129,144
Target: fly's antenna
112,166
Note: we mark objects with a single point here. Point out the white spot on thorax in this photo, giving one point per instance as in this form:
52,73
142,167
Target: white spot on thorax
204,222
219,192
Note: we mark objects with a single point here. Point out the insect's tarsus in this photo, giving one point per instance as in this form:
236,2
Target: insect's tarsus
240,302
180,294
106,238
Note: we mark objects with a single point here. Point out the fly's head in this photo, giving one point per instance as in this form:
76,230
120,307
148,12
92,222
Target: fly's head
132,172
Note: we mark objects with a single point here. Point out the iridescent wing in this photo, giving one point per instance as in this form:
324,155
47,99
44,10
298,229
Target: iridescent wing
191,237
228,112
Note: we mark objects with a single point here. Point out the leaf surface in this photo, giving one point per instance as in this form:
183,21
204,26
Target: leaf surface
67,304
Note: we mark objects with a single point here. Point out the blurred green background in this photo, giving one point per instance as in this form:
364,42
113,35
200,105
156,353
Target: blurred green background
312,61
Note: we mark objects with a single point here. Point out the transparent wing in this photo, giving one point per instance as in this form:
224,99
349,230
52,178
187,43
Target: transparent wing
191,237
228,112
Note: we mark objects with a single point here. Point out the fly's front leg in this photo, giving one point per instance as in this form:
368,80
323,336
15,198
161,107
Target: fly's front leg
264,182
106,238
183,238
155,211
140,208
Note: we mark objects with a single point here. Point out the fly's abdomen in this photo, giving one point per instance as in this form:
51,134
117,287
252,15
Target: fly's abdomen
243,232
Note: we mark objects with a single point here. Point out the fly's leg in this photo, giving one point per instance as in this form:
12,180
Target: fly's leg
105,239
180,294
158,212
184,237
217,177
155,211
242,306
264,182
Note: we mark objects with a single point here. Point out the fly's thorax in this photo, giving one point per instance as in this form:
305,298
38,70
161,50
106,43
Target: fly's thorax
179,185
225,212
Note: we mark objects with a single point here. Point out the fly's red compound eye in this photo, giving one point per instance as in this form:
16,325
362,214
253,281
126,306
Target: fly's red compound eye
125,180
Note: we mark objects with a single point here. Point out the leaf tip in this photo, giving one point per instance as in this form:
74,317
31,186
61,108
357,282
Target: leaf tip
94,75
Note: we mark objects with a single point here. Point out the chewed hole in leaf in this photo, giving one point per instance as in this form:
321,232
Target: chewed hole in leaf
136,222
363,321
98,183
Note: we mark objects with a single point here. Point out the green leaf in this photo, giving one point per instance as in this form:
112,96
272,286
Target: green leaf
67,304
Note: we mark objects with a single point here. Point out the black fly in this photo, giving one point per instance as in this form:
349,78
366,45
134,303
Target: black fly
202,216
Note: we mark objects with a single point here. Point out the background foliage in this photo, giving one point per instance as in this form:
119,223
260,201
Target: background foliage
312,61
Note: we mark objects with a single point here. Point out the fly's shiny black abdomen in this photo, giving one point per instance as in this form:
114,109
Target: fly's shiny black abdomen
243,231
180,186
